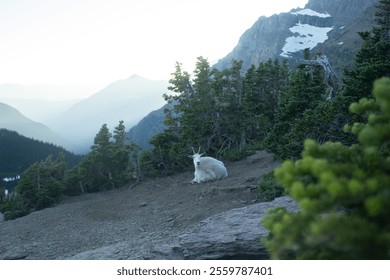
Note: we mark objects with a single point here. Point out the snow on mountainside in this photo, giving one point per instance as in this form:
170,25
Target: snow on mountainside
320,26
305,35
310,12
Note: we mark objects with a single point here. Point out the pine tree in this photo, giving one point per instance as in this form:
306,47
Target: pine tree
371,62
343,193
227,110
108,165
41,185
305,91
96,167
121,164
263,87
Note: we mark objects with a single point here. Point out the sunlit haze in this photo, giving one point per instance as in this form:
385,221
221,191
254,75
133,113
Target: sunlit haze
87,44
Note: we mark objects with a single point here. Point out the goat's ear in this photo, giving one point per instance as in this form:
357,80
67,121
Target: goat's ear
202,154
191,156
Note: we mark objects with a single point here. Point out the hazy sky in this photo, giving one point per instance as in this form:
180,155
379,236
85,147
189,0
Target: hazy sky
91,43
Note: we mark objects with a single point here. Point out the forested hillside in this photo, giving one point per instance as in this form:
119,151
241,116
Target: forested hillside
17,153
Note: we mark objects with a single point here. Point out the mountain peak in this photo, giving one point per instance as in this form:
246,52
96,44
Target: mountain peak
136,77
286,35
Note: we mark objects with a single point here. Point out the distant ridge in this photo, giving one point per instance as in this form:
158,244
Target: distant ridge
149,126
128,100
12,119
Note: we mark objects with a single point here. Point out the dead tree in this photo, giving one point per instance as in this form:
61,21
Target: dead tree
330,77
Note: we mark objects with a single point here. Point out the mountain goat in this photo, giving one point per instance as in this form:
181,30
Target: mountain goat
207,168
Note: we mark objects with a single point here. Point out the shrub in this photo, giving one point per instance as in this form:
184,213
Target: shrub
269,188
343,193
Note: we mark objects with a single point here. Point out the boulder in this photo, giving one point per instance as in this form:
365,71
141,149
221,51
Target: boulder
16,253
235,234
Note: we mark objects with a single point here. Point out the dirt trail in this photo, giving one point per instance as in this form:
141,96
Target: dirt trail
154,211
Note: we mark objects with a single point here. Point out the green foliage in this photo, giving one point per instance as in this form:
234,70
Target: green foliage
40,186
372,62
72,182
17,153
263,89
107,166
237,153
168,156
13,208
224,112
300,112
2,195
269,188
343,193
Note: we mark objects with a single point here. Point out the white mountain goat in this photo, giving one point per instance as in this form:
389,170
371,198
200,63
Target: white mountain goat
207,168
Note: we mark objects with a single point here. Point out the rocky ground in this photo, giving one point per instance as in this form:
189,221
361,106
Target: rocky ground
129,222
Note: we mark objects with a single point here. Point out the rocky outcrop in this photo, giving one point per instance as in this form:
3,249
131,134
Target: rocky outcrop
235,234
343,12
286,35
16,253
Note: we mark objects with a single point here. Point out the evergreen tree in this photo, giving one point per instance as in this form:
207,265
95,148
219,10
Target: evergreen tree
373,59
107,166
95,169
41,185
263,87
343,193
371,62
171,146
305,91
198,121
190,121
122,164
227,113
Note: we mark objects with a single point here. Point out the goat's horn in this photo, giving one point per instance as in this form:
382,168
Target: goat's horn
193,150
199,150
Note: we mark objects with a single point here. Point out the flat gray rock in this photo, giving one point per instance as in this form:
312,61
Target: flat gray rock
16,253
233,234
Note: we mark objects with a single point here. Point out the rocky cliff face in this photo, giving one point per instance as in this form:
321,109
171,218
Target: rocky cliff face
286,35
343,12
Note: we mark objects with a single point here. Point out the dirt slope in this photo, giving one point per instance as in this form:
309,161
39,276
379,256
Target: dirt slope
154,211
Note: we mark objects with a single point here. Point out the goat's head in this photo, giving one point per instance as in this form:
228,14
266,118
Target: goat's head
196,157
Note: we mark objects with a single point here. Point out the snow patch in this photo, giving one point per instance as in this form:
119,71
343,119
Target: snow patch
305,36
340,43
309,12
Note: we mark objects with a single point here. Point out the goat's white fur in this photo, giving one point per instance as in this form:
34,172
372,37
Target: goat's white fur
207,168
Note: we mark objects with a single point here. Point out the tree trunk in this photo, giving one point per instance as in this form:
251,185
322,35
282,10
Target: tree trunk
330,78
